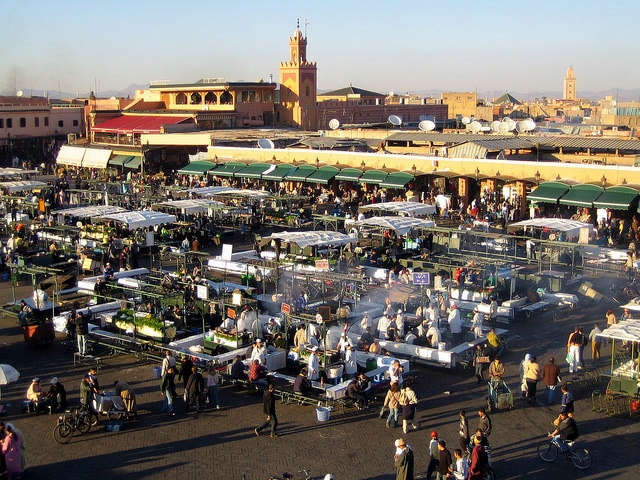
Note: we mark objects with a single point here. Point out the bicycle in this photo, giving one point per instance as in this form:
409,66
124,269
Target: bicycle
307,476
76,420
548,451
489,472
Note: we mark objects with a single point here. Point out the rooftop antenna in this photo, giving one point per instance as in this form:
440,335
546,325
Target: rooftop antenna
306,22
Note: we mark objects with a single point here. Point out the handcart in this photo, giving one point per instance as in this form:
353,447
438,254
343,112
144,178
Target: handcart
499,395
110,405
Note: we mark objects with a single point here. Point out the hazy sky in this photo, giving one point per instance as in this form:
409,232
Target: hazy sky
404,46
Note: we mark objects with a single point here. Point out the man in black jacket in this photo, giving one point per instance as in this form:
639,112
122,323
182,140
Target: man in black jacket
269,409
194,388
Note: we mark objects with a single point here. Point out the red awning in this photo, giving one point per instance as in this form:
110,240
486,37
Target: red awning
137,124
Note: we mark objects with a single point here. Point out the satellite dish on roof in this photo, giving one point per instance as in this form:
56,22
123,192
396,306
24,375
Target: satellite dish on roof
395,120
521,127
19,93
503,127
265,143
511,124
530,125
466,120
475,126
495,126
334,124
426,125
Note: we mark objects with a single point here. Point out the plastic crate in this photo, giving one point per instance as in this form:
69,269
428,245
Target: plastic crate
113,426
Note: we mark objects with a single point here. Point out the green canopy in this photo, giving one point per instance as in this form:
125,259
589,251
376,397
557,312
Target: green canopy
197,167
228,169
349,174
373,176
617,198
119,160
323,175
253,170
582,195
134,162
548,192
301,173
396,180
279,172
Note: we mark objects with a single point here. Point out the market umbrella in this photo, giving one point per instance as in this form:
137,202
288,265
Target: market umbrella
8,374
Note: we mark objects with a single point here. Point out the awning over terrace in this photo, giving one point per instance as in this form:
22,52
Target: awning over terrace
96,158
278,173
582,195
137,124
349,174
228,169
70,156
617,198
396,180
548,192
373,176
197,167
322,175
253,170
301,173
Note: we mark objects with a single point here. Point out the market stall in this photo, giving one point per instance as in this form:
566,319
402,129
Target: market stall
140,218
21,186
559,229
403,209
187,206
625,342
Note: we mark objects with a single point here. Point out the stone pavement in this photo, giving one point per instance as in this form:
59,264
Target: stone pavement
222,445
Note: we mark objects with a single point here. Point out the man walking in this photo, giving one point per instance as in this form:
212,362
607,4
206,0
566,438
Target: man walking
269,409
403,460
595,343
194,388
484,423
551,379
168,388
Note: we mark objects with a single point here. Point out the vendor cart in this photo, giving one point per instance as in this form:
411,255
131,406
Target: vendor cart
499,396
39,333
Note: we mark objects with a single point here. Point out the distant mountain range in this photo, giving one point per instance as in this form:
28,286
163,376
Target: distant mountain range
618,94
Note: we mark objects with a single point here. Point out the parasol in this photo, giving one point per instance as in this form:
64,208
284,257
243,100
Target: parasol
8,374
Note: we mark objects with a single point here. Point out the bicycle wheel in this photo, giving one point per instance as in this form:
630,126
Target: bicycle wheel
83,423
581,458
62,433
547,451
114,414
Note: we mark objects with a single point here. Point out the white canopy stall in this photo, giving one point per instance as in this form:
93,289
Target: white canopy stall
400,224
21,185
403,209
624,362
571,229
312,239
88,211
187,207
229,192
140,219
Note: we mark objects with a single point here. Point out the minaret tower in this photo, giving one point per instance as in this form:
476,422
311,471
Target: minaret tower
298,86
569,87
